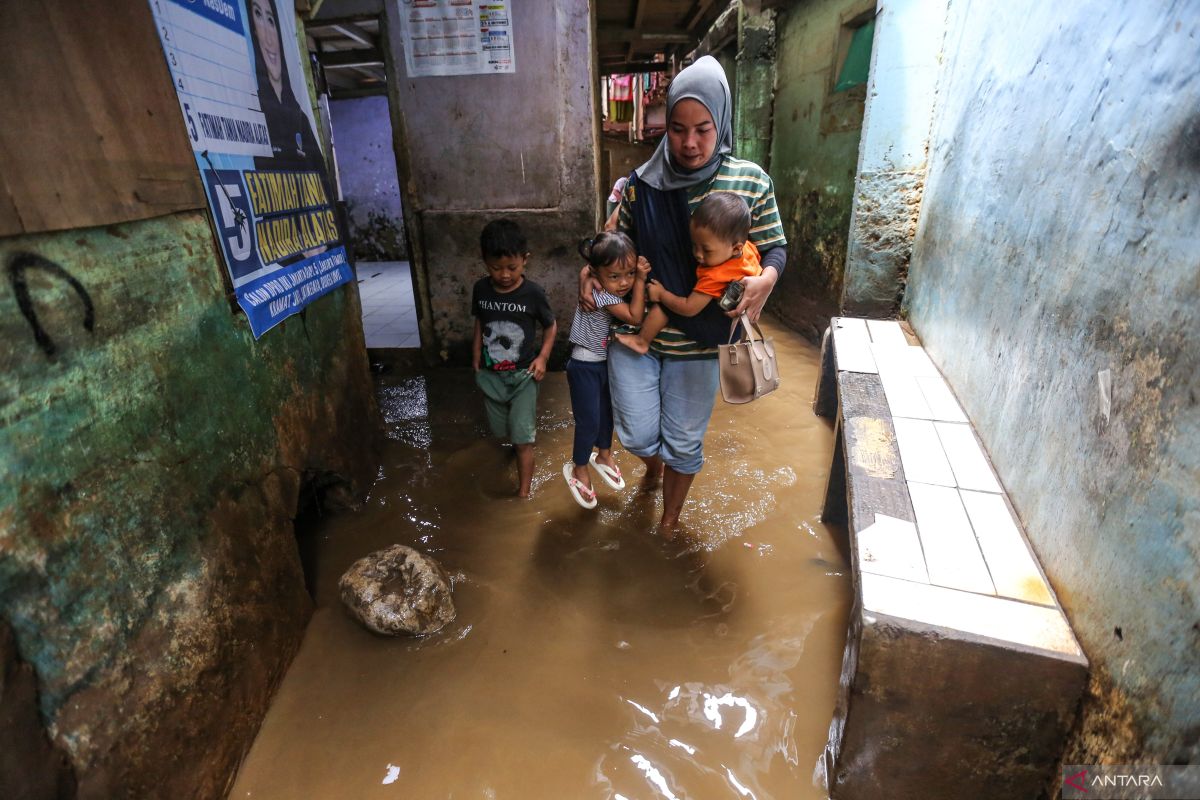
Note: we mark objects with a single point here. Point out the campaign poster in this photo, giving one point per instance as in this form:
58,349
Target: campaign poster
457,37
237,71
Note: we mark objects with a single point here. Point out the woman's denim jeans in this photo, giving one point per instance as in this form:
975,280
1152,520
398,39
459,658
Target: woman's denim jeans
661,406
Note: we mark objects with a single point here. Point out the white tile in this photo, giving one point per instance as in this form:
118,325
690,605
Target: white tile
1012,566
919,363
940,399
979,615
886,331
921,452
852,345
904,398
970,465
951,552
890,546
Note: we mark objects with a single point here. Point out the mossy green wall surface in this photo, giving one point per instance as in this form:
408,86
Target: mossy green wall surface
149,474
814,154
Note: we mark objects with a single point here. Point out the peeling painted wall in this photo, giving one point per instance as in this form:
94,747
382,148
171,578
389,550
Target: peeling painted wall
814,152
1056,280
366,160
149,474
893,155
519,145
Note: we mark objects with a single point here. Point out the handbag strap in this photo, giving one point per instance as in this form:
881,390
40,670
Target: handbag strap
751,329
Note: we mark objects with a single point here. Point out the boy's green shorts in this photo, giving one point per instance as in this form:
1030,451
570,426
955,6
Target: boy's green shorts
511,402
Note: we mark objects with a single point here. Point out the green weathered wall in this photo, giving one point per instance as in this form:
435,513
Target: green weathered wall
754,82
149,475
814,154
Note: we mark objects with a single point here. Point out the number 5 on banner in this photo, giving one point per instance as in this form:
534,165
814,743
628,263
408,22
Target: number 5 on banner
234,221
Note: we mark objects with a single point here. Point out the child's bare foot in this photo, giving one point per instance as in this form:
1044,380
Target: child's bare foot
634,342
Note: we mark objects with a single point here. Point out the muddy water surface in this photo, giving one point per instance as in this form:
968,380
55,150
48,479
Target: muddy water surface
589,659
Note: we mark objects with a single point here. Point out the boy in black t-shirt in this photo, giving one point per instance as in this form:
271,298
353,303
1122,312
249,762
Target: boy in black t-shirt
507,309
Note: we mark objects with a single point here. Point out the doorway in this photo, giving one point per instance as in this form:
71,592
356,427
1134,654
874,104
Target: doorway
355,109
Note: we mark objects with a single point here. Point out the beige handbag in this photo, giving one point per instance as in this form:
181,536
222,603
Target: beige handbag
748,368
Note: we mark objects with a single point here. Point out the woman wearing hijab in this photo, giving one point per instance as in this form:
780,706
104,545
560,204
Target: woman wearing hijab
292,141
662,400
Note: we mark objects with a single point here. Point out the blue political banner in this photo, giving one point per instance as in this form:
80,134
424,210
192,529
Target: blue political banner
236,69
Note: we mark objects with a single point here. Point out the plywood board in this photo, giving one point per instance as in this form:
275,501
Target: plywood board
93,133
852,345
967,459
951,552
1013,569
973,614
875,476
921,452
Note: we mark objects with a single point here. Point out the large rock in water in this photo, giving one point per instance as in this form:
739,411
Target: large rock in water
398,591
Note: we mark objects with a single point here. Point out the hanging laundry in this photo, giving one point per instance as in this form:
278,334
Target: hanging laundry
622,88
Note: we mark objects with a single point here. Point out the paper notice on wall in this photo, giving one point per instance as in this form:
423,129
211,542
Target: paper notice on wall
457,37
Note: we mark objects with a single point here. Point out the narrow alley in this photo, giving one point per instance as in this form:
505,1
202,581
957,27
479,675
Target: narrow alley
321,319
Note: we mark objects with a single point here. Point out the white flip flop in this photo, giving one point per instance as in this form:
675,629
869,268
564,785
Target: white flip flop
583,495
611,475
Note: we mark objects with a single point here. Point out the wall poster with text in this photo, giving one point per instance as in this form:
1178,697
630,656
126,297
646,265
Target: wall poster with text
457,37
237,71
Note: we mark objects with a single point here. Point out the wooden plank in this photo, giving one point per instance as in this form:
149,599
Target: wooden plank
921,452
939,398
1010,562
836,505
852,345
967,459
890,546
903,395
887,332
874,473
825,395
951,552
973,614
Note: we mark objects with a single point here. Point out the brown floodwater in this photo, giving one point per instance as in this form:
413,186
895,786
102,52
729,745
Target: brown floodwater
589,659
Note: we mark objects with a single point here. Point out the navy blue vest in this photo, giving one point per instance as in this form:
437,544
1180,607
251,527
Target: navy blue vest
661,233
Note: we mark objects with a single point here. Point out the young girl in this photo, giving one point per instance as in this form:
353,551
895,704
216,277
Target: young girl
614,263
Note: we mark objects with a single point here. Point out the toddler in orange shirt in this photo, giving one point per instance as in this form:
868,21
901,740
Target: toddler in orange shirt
720,228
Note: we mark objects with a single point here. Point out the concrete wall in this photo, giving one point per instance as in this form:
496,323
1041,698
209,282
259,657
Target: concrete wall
366,159
476,147
1055,281
149,475
893,155
814,152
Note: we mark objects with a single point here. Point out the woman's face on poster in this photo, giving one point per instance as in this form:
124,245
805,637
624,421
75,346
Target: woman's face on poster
267,33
